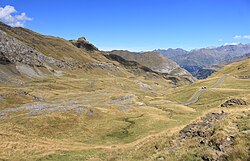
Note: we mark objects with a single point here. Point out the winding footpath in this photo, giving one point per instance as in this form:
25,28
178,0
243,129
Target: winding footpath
196,96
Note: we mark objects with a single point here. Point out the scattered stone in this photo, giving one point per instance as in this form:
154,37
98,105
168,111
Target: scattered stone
160,158
246,132
1,97
24,93
90,112
37,98
35,107
233,101
42,108
102,65
206,158
145,86
171,148
140,103
221,142
80,109
201,129
156,83
123,108
202,141
125,98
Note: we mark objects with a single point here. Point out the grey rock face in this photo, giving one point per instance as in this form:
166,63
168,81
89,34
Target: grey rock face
203,128
233,101
83,43
145,86
101,65
128,99
14,51
42,108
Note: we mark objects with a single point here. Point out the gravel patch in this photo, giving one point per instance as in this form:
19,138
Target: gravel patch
128,99
43,108
123,108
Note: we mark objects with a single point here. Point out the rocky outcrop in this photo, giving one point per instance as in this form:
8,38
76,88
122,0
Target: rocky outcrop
202,129
84,44
145,86
14,51
234,101
204,134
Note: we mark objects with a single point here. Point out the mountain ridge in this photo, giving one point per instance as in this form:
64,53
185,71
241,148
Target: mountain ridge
33,56
155,62
204,58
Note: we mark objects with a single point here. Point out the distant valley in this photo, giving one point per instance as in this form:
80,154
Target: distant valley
201,60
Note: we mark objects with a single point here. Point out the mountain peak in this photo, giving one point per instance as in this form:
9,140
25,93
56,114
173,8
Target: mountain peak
232,44
82,38
83,43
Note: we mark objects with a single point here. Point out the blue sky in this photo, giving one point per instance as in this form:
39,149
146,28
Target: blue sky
137,25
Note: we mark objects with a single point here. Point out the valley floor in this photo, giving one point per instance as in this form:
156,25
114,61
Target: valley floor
124,119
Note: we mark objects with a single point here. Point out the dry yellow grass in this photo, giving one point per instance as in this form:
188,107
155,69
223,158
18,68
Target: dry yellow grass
96,114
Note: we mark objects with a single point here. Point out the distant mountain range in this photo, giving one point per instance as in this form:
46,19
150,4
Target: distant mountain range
171,53
200,59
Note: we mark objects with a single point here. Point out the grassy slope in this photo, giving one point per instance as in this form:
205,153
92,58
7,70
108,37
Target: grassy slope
105,130
111,133
107,126
52,46
148,59
209,101
233,70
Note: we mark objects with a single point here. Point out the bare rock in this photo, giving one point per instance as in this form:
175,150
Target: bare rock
1,97
127,99
84,44
145,86
201,129
13,51
160,158
234,101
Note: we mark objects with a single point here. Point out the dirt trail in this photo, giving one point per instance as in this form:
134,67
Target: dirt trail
196,96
